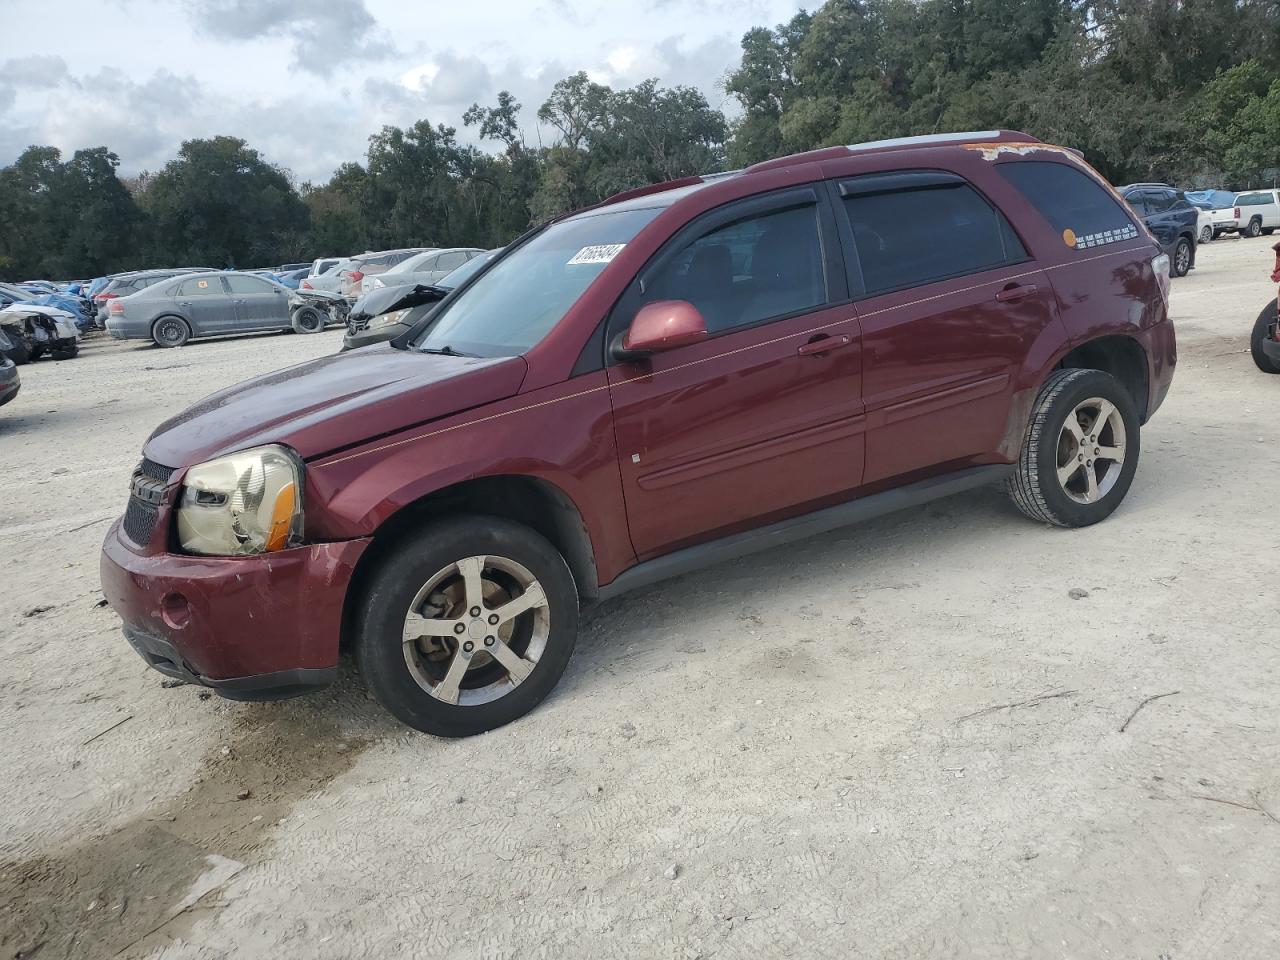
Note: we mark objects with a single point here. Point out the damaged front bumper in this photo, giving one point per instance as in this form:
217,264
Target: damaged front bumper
250,628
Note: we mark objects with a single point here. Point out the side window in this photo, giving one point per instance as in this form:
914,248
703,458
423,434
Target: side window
450,261
1075,205
241,284
909,237
1159,201
757,268
199,287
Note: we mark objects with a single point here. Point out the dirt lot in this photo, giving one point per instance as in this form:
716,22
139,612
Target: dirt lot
898,740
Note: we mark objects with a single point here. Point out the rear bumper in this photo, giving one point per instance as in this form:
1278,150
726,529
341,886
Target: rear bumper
10,381
256,628
1161,345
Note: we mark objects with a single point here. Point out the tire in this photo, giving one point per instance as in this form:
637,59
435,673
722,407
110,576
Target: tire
423,574
1261,327
21,352
1254,228
37,351
1036,487
1181,262
307,320
1206,234
69,352
170,332
1268,231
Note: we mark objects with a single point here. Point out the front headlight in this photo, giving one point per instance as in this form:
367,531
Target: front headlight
244,503
387,319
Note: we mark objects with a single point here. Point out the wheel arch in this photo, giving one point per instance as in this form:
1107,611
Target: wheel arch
1121,356
531,501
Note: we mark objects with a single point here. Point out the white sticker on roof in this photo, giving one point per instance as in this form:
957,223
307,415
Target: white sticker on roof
600,253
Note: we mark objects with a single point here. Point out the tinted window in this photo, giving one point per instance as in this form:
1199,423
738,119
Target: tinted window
1072,201
199,286
239,283
1253,199
1158,201
909,237
512,306
750,270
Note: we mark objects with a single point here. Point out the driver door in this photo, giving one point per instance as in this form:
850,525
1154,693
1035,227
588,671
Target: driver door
762,419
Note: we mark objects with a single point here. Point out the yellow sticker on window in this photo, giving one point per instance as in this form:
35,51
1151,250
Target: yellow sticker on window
1069,237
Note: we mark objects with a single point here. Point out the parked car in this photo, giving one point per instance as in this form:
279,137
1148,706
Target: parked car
35,329
332,279
10,381
387,312
323,265
130,283
681,374
426,267
211,304
1264,344
1259,212
1218,213
292,267
291,278
369,265
1172,220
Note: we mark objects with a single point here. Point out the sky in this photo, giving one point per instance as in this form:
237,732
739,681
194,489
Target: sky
306,82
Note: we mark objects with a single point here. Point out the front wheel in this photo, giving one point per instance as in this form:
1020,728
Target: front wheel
1182,257
1264,329
307,320
1206,234
170,332
1254,228
1081,451
467,625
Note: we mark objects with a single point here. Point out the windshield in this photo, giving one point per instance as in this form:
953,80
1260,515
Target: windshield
515,304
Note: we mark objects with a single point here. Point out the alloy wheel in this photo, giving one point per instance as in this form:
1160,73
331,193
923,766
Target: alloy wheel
1091,449
476,630
1182,261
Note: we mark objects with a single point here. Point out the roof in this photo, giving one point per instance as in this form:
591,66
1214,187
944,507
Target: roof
664,194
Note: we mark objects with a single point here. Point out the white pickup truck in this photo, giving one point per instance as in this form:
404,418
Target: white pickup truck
1258,212
1217,213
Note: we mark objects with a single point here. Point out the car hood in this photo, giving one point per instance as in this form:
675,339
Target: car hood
334,402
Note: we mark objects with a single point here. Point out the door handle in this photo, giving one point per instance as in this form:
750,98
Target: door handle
1009,294
823,344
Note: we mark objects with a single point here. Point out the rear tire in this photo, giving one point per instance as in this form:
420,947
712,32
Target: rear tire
1181,265
1261,327
68,352
1206,234
1254,228
444,681
1080,452
21,352
170,332
307,320
1268,231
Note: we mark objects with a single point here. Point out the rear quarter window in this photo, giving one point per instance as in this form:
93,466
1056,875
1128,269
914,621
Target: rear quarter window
1075,205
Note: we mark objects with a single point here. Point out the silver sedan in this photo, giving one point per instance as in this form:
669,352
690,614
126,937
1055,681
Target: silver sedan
200,305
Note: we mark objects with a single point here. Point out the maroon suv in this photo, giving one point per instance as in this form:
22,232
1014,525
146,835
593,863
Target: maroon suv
681,374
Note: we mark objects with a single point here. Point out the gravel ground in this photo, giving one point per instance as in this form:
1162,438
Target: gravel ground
898,740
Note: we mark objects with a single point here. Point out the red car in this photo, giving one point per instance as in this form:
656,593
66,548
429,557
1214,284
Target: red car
1265,342
681,374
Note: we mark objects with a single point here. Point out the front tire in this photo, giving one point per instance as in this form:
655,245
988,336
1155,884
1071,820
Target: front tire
466,625
1262,328
1181,258
1080,452
307,320
1254,229
170,332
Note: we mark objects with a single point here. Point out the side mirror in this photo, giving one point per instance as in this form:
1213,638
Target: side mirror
661,325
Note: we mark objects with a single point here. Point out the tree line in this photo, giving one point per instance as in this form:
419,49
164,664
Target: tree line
1181,91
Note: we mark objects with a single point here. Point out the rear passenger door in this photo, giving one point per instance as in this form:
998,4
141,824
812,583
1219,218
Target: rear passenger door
204,302
951,304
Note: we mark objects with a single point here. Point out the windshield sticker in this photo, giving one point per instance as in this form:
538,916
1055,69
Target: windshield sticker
1098,239
600,253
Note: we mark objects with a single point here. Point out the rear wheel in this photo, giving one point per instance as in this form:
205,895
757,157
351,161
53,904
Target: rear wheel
467,625
1081,451
1268,230
307,320
1254,228
1263,329
67,352
170,332
1206,234
1182,257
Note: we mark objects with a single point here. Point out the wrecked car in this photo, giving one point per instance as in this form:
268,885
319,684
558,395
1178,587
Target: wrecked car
1264,344
34,330
386,312
310,311
9,379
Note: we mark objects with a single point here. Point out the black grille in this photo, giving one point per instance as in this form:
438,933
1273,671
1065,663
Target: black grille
356,324
140,515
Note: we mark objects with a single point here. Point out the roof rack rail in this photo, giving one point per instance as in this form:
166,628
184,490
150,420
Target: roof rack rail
898,143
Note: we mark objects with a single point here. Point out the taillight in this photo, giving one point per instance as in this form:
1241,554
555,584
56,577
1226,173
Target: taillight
1237,213
104,297
306,286
1160,265
116,307
356,276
